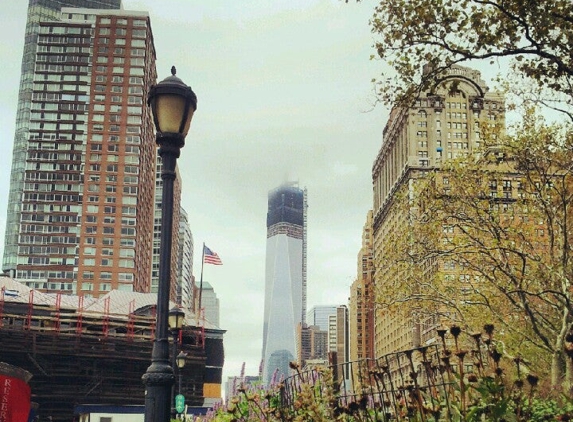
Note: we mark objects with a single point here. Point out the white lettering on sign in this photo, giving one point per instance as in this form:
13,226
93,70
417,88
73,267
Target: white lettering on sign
6,387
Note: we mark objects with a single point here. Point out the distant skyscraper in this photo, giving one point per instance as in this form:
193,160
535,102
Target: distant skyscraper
80,207
338,334
312,344
361,301
318,315
210,304
285,278
185,263
176,241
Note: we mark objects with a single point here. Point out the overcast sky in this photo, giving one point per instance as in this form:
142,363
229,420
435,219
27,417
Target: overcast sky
284,92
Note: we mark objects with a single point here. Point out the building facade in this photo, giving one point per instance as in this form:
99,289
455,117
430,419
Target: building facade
338,334
175,240
318,315
38,10
81,217
210,304
285,278
441,125
312,344
185,263
361,301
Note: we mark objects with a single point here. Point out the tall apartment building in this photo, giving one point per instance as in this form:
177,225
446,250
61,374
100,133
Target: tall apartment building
361,301
442,124
185,263
80,212
175,252
285,278
339,336
38,10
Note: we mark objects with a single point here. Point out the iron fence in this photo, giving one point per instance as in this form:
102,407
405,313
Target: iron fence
389,388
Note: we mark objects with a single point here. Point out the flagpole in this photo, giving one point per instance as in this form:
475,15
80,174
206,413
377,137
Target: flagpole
201,282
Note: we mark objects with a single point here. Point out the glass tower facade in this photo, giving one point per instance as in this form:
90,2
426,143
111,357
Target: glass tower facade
285,279
80,212
38,11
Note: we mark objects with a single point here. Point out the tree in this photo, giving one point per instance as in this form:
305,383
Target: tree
537,36
490,238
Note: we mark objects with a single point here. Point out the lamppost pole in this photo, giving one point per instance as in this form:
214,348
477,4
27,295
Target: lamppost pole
172,104
176,319
180,363
176,371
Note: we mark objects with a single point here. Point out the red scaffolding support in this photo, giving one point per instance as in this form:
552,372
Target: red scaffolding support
58,321
2,306
131,320
30,310
105,317
80,314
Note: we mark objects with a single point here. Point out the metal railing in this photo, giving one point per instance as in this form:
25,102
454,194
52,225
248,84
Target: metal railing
389,388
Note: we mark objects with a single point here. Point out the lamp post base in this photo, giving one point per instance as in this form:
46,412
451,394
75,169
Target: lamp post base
158,381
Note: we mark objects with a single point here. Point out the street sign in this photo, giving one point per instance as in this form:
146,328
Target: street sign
179,403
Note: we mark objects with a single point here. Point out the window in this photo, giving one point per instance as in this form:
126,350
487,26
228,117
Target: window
127,253
129,210
125,277
126,263
128,231
130,243
89,251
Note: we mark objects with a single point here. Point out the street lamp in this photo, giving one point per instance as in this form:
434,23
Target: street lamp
181,360
172,104
176,318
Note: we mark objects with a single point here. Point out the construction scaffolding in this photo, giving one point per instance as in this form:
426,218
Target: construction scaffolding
86,351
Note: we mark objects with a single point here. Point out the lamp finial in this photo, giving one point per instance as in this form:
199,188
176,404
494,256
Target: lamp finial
173,71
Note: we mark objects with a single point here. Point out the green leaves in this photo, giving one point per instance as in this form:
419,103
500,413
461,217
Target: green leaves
410,33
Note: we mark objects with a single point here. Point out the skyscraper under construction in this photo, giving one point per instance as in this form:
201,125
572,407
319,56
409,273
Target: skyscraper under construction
285,278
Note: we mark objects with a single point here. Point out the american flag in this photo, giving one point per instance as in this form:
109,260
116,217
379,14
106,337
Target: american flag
210,257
